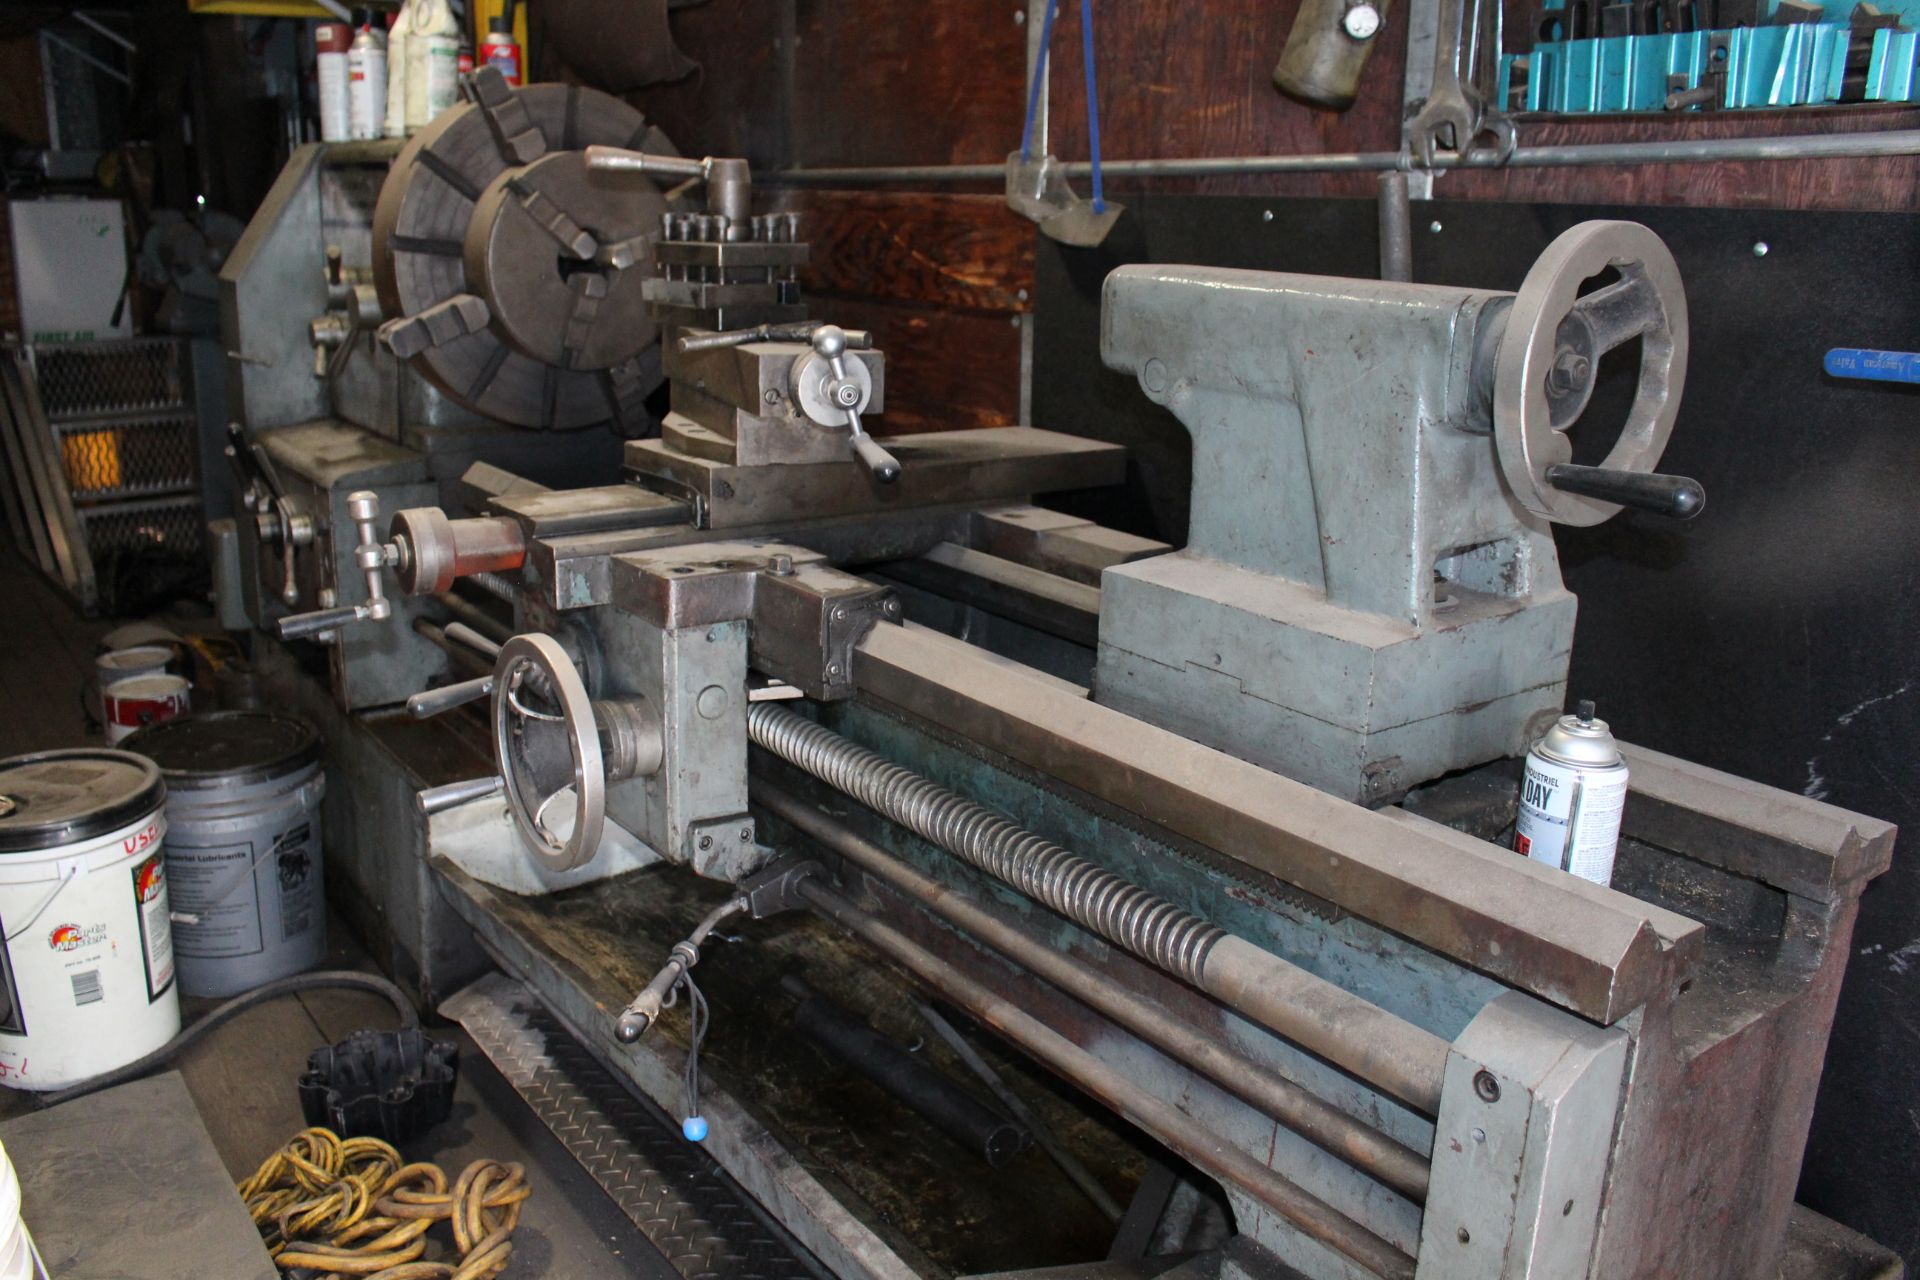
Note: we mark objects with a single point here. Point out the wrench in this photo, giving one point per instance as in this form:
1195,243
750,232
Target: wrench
1448,115
1490,39
1455,112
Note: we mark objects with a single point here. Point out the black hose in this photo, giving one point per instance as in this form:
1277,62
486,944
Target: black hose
317,980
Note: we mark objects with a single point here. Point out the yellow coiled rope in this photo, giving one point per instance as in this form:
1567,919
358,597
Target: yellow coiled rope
350,1207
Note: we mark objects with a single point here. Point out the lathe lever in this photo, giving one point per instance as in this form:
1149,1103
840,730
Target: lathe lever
432,702
885,467
830,343
371,555
294,626
1680,497
448,795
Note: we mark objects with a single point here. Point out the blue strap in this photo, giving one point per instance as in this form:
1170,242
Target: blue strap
1039,78
1093,101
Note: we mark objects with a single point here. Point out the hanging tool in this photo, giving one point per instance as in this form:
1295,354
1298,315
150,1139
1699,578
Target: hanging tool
1038,189
1327,49
1466,60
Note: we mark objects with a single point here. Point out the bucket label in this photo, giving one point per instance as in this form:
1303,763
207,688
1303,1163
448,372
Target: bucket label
212,885
156,930
293,864
244,899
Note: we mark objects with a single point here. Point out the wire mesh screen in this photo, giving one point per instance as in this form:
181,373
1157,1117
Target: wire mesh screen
105,379
109,460
167,525
109,434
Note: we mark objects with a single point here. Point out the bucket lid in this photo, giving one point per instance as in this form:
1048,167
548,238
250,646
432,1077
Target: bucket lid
222,748
155,685
53,798
140,658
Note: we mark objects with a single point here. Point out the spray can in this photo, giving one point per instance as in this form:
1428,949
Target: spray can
367,83
395,125
1571,797
500,50
331,41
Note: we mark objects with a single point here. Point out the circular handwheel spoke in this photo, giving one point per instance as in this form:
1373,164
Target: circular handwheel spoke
1621,312
545,742
1549,354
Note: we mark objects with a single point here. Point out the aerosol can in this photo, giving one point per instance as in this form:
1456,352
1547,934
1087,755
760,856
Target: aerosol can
500,49
367,82
1571,797
331,41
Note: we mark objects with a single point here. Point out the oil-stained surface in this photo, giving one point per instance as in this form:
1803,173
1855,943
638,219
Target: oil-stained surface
907,1179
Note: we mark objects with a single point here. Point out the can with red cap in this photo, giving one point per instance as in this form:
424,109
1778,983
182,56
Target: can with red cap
500,50
331,41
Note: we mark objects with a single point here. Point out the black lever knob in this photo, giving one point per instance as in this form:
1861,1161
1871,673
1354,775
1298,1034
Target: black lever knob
1679,497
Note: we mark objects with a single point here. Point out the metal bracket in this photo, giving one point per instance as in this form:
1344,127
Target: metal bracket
777,888
805,616
1528,1111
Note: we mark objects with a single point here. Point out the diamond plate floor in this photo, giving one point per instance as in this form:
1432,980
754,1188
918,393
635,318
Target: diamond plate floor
680,1199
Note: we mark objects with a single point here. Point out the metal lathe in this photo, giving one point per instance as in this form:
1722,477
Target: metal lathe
1207,847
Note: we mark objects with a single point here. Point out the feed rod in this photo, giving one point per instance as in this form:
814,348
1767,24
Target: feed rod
1386,1051
1335,1132
1173,1127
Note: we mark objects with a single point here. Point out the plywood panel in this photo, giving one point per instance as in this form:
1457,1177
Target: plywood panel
882,82
967,251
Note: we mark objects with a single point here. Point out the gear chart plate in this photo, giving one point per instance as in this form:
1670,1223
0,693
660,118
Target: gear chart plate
517,271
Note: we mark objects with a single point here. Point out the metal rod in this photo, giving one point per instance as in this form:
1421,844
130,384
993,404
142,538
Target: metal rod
1819,146
104,68
474,617
88,20
461,633
1396,228
1205,1150
1388,1052
438,799
463,657
620,160
1334,1131
1071,1165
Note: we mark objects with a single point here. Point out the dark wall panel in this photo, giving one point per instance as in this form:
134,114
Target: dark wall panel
1774,637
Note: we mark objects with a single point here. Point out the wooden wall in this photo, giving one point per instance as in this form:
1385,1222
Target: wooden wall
945,275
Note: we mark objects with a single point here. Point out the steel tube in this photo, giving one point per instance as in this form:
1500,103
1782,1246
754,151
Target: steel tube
1207,1151
462,656
1349,1139
474,617
1819,146
1388,1052
1396,229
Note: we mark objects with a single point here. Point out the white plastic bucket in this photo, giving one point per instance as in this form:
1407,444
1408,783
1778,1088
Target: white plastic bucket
141,701
86,968
16,1247
125,664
